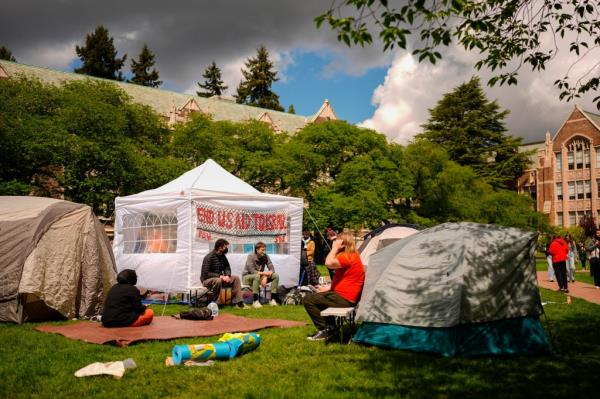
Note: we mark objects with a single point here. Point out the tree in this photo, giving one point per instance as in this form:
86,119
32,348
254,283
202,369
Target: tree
291,109
259,76
471,129
508,34
141,69
212,84
99,56
6,54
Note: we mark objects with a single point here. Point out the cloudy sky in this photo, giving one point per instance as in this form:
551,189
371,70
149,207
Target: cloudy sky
389,92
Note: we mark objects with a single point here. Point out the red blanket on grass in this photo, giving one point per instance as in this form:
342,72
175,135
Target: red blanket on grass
164,327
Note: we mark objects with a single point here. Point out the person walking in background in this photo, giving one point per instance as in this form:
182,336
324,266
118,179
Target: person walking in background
258,272
549,260
571,258
582,255
593,247
123,306
346,286
559,250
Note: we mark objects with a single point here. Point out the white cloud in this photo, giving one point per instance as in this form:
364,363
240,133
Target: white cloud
58,56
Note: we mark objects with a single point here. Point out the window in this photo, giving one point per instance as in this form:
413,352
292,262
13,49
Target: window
559,218
572,218
570,160
597,157
587,158
579,158
150,233
558,158
559,193
587,188
598,187
580,189
571,190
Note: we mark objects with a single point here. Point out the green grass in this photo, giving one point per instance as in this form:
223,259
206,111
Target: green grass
286,365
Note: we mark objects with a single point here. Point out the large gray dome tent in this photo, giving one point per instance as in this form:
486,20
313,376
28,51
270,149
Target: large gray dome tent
458,289
55,260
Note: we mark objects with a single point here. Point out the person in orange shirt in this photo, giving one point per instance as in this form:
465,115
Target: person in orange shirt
346,286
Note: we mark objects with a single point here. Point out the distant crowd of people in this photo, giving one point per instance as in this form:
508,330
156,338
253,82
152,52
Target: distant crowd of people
563,253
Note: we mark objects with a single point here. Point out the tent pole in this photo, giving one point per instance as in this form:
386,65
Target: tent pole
317,228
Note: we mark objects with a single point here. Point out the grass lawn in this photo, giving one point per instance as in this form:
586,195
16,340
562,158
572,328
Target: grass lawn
286,365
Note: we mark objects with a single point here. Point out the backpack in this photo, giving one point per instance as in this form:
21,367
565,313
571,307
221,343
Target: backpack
197,314
296,295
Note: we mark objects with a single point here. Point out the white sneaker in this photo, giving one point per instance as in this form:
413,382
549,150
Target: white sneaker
273,302
256,305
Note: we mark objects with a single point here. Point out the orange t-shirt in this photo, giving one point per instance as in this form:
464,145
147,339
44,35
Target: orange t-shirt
349,279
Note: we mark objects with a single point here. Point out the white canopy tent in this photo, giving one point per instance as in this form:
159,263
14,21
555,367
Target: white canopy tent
165,233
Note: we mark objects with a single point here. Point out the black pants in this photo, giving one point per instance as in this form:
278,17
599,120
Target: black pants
315,303
560,270
595,270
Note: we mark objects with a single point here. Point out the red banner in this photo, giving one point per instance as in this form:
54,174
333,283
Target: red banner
239,222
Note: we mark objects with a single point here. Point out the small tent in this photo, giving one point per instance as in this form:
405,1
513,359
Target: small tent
458,289
55,260
382,237
165,233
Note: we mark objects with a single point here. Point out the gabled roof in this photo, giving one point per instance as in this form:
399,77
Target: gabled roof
219,107
209,176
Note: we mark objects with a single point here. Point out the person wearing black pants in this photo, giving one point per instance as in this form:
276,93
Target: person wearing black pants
346,286
558,250
593,247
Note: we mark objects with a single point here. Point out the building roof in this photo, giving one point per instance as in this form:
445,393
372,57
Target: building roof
221,108
595,118
533,158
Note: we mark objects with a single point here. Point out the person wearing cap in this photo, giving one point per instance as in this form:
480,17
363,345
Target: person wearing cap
258,272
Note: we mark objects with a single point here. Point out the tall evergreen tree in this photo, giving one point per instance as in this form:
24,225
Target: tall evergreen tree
291,109
471,129
142,75
99,56
259,76
6,54
212,82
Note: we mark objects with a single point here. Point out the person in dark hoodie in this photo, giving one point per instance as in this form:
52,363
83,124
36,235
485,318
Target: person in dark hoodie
123,306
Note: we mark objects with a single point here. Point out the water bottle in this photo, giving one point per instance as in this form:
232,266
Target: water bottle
214,309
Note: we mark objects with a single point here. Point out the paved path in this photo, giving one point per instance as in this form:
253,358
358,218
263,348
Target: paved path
576,289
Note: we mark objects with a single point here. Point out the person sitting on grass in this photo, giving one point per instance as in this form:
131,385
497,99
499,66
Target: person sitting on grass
346,286
258,272
123,306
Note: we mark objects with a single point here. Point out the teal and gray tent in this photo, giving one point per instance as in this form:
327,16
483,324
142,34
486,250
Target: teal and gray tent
458,289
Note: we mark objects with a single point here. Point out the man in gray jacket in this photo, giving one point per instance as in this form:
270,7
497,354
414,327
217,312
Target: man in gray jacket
258,272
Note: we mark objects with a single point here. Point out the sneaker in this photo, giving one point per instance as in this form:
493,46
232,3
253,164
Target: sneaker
256,305
566,291
273,302
552,280
320,336
242,305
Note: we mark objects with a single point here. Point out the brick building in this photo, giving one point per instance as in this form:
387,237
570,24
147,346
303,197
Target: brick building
564,179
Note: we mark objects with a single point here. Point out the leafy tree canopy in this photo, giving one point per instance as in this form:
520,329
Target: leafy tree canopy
141,69
213,84
471,129
259,76
6,54
508,34
99,56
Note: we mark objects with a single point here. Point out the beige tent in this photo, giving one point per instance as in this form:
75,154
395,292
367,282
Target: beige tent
55,260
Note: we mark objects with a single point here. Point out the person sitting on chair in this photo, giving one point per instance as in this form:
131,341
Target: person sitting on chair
216,273
123,306
258,272
346,286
